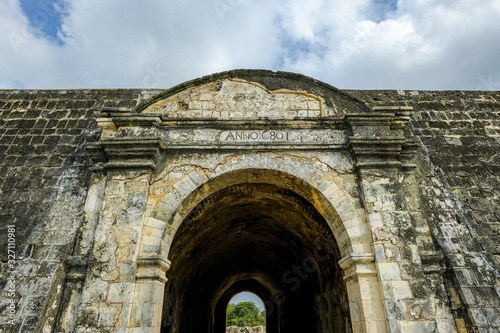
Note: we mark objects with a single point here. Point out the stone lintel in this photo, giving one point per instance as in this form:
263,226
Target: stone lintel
257,147
245,123
261,134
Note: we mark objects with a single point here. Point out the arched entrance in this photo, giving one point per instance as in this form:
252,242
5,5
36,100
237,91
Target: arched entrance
260,237
245,309
238,312
236,181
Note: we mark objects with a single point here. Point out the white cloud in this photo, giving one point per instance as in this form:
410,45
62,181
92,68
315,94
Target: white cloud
23,53
424,44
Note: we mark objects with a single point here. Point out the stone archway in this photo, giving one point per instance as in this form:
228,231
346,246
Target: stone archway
281,143
344,222
256,233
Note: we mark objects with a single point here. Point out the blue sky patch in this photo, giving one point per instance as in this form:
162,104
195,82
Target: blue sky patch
44,16
389,4
294,49
18,85
383,8
247,297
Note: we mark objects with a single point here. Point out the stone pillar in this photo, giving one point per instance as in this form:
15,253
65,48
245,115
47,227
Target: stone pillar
77,264
365,302
383,154
148,294
119,288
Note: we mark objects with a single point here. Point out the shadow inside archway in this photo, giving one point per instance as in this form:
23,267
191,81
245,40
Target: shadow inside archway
265,239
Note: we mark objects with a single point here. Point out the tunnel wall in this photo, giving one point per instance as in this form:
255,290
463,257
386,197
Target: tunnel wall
450,231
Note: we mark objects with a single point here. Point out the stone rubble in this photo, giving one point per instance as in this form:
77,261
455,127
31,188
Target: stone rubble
236,329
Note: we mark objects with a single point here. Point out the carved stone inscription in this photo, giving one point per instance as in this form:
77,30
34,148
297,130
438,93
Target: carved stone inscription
238,136
256,135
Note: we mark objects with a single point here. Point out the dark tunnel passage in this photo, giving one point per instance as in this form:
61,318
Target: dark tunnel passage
259,238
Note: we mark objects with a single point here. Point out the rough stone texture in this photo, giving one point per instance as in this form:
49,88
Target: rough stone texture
459,180
416,238
44,177
248,102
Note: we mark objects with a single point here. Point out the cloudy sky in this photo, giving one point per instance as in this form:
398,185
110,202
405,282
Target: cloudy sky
355,44
247,297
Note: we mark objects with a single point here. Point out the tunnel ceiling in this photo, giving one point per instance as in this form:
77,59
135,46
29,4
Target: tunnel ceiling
247,221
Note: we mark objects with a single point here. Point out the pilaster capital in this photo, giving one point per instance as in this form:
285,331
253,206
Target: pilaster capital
152,268
358,264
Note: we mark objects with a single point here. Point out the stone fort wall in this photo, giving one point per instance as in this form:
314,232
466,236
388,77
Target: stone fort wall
455,190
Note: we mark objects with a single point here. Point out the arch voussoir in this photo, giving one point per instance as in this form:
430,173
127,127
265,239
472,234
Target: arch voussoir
194,186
